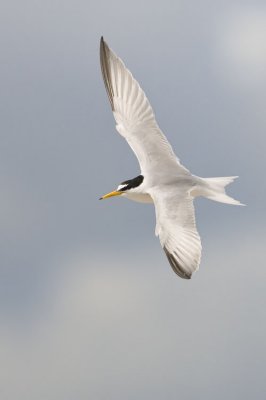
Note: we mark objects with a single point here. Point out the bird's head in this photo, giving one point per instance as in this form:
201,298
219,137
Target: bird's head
125,187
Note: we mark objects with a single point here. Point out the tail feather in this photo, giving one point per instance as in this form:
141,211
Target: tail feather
214,189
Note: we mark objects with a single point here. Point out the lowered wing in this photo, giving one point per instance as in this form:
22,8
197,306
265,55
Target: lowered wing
176,228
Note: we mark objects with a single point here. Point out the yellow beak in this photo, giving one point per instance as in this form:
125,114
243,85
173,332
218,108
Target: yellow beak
111,194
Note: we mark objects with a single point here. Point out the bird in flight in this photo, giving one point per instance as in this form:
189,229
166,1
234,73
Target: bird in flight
163,180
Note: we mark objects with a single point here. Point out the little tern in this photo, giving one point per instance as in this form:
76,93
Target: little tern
163,180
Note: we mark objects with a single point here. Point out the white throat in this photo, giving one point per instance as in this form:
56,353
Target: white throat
139,197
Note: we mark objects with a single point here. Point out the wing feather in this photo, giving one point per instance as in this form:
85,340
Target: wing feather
134,116
176,228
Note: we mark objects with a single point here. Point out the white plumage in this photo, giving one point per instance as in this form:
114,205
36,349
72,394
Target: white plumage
166,183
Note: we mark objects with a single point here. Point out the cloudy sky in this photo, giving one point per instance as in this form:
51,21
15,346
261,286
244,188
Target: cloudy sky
89,307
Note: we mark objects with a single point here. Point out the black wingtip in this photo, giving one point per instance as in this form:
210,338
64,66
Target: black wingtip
177,268
102,43
105,67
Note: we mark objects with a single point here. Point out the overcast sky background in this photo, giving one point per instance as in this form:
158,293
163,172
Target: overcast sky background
89,307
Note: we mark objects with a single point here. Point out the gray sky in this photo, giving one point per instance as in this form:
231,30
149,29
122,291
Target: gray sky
89,307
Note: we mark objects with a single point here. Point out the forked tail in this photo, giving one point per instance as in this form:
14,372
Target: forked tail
214,189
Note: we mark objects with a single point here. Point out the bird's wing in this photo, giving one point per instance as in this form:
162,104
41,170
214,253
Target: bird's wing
134,116
176,228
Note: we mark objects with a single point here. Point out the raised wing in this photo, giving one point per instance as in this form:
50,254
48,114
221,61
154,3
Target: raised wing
134,116
176,228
